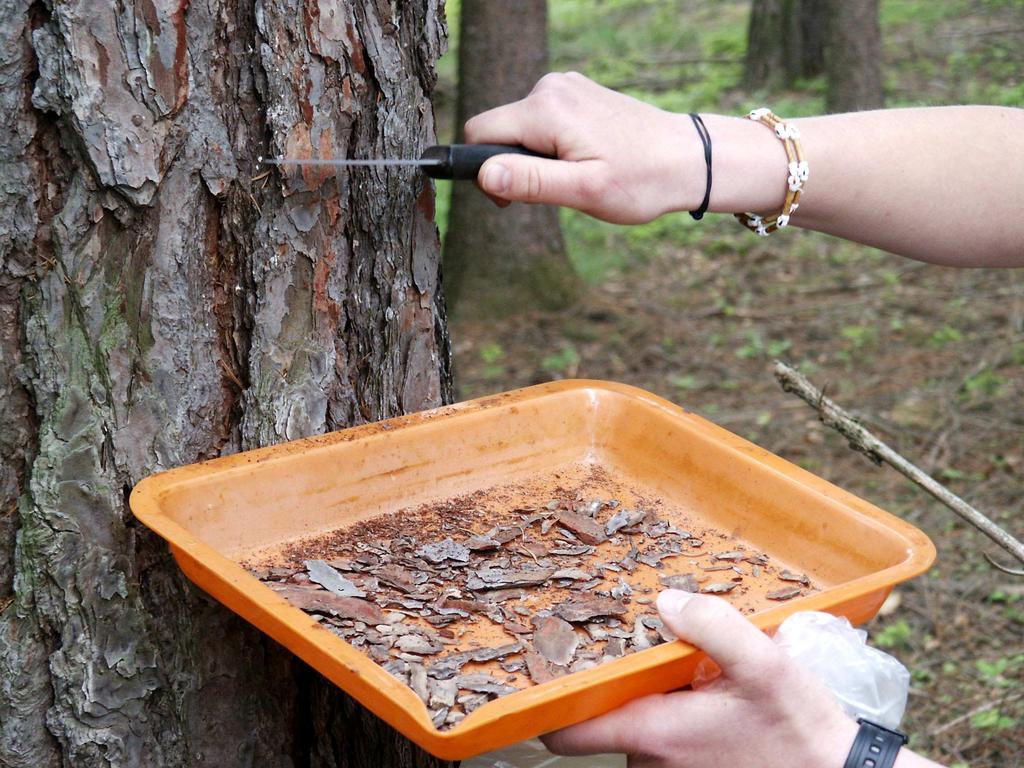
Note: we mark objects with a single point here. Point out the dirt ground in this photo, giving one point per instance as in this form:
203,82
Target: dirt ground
930,358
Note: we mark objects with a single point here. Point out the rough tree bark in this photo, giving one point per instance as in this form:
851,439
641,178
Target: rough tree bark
854,57
499,262
162,300
785,42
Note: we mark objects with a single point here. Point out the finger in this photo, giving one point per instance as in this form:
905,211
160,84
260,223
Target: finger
515,123
539,119
622,730
539,180
742,651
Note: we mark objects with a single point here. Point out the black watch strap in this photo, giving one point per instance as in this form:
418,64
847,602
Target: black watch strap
875,746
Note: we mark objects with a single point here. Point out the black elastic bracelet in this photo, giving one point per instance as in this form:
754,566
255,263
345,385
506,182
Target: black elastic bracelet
875,746
705,139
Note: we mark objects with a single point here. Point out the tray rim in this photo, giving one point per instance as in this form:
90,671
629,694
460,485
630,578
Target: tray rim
294,629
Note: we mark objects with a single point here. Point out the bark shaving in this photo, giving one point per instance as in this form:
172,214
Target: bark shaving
160,305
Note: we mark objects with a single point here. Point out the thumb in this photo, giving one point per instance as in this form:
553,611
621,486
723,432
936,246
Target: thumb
737,646
527,179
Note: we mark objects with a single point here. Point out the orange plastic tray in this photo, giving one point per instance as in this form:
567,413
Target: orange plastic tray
218,514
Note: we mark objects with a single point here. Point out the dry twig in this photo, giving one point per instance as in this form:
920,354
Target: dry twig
831,415
968,715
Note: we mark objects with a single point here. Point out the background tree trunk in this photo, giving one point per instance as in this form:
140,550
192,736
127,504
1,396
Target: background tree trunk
163,300
771,34
498,262
785,42
792,39
854,59
813,21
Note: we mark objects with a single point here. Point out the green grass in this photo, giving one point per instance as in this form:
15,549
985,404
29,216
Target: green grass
899,634
442,204
596,247
899,13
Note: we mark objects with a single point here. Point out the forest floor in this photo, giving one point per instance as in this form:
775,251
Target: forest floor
930,358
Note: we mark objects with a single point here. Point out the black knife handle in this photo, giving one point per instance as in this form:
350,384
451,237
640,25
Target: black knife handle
463,161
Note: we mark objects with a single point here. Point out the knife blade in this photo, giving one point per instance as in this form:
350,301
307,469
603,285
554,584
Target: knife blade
444,161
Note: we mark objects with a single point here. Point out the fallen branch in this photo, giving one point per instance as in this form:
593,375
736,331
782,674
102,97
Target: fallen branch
976,711
831,415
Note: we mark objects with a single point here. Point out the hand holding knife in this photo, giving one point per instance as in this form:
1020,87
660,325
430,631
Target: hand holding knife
446,161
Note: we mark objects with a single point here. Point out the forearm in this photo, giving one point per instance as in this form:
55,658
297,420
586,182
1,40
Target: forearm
941,184
908,759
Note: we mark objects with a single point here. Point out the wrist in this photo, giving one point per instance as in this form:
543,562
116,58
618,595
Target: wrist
681,174
748,165
831,745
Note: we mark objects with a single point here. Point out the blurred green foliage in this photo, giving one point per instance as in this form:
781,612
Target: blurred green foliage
492,355
896,635
563,362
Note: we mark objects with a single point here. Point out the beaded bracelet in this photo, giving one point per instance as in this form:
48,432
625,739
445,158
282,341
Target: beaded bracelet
798,173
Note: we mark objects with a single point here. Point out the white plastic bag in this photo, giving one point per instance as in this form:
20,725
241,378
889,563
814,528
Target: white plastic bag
868,682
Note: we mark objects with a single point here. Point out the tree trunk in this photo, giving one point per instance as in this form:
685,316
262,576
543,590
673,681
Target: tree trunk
163,299
785,42
498,262
813,33
854,58
768,39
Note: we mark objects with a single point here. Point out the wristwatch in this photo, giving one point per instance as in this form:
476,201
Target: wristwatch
875,746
